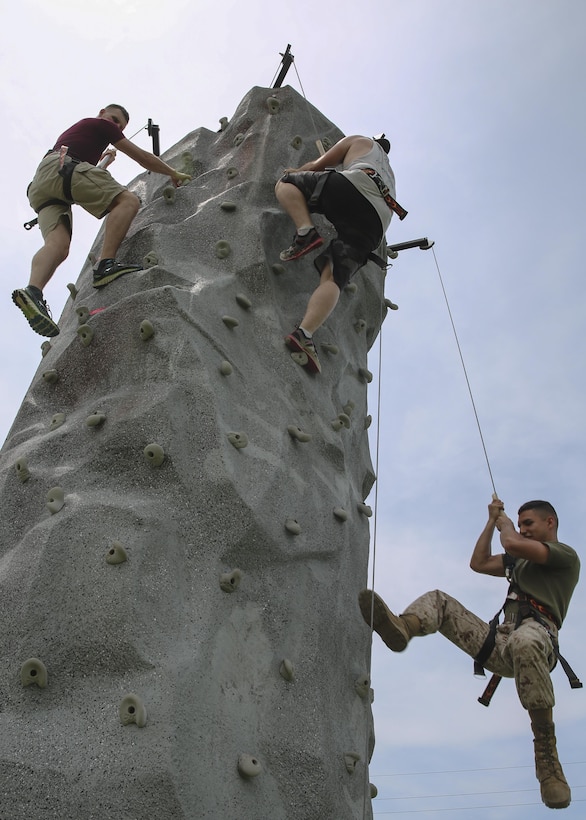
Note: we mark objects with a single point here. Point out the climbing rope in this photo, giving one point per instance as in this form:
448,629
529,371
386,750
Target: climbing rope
465,374
377,458
374,535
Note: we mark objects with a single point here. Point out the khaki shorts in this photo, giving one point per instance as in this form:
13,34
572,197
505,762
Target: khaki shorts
93,189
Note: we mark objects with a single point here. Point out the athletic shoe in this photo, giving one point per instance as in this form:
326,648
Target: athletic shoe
110,269
36,312
301,245
297,342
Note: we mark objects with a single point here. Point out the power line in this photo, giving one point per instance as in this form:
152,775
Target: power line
466,771
465,808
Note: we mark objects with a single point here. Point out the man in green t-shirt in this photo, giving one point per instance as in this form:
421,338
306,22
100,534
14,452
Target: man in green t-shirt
542,573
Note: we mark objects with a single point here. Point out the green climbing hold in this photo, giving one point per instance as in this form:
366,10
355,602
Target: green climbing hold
33,671
132,710
55,500
154,454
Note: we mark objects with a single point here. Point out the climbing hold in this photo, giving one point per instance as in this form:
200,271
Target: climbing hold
22,470
83,314
349,407
296,143
292,526
95,420
243,301
55,500
391,305
169,194
330,348
33,671
154,454
367,422
223,123
45,348
222,249
225,368
340,514
337,424
373,791
273,105
327,143
231,172
365,509
345,419
365,374
72,290
249,766
238,440
238,139
188,164
132,710
297,433
228,206
362,686
116,554
57,421
146,330
230,321
278,269
351,287
360,325
299,358
86,334
150,260
50,376
286,670
350,760
230,581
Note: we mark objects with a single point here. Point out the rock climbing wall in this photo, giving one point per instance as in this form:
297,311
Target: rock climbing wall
184,532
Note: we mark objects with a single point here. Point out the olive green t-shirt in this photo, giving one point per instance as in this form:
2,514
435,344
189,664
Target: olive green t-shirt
552,583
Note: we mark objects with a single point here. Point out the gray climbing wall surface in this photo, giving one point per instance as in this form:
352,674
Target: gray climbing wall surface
183,528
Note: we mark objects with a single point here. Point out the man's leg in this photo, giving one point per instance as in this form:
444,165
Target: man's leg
48,258
433,612
120,215
322,301
531,653
293,200
44,264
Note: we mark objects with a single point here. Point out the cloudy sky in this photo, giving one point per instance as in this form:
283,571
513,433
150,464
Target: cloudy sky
483,101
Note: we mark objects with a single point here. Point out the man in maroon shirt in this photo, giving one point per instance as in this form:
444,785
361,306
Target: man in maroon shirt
67,175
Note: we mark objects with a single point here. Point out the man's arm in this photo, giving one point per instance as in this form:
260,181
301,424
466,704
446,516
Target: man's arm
517,545
150,161
336,154
482,559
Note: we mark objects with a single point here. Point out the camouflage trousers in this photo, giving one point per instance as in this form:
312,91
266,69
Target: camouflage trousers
525,654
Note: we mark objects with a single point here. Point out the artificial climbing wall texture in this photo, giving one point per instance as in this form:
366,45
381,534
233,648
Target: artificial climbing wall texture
181,638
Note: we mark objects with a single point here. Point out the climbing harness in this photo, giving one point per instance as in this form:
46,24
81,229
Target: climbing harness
68,164
385,193
527,608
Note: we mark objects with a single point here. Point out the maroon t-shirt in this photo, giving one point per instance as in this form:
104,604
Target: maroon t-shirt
88,139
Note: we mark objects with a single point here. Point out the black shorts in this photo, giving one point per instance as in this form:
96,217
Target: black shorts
356,222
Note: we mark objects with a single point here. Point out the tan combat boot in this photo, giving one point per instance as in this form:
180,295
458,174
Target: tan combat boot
555,791
395,630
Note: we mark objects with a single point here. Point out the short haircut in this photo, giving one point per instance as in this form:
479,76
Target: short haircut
543,507
120,108
384,143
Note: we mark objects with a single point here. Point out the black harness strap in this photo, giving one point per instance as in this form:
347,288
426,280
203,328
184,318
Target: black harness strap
528,608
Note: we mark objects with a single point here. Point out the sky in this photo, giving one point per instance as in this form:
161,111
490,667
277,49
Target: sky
483,101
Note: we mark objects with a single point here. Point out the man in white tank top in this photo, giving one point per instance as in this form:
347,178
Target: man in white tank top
353,186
